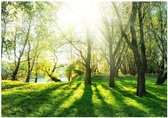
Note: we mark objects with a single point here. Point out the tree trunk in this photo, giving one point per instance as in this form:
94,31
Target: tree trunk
87,66
88,75
112,61
15,71
161,73
28,63
112,69
36,77
141,84
139,63
116,72
143,49
161,77
141,90
21,53
134,46
111,79
17,66
3,39
69,76
28,76
162,69
30,67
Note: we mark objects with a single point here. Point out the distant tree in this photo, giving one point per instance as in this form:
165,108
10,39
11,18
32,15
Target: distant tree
87,57
115,44
158,27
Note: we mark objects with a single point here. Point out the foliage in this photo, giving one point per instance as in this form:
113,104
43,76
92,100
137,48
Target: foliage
6,70
73,70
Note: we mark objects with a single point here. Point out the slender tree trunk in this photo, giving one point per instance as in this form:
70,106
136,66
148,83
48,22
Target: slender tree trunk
15,71
143,49
88,75
3,39
30,67
87,66
116,72
36,77
134,46
28,63
112,66
162,69
28,77
141,83
111,79
21,53
139,63
69,76
141,90
14,46
161,73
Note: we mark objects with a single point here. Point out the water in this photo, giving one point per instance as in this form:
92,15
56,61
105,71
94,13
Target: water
40,79
44,80
60,71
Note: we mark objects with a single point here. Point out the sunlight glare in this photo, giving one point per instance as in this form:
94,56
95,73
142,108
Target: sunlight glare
77,13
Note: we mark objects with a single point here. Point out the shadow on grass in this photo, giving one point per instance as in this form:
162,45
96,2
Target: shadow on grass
154,97
151,102
157,89
124,109
81,107
105,107
10,86
58,101
24,103
45,102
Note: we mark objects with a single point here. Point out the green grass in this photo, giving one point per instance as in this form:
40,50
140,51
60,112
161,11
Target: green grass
76,99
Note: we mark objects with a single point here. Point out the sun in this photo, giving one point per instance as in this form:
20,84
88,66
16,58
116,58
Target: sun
79,12
79,15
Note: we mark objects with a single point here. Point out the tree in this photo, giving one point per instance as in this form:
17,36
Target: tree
86,59
141,15
22,51
134,47
160,23
6,18
30,66
114,46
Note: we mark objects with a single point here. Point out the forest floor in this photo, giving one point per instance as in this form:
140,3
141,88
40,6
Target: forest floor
77,99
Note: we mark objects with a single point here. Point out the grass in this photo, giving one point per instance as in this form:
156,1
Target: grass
77,99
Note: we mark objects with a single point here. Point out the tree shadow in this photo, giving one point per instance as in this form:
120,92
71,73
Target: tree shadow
123,108
43,103
150,102
58,101
87,108
82,107
10,86
105,107
157,89
154,97
24,103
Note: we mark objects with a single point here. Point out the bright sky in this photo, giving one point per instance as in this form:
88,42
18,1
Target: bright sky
75,14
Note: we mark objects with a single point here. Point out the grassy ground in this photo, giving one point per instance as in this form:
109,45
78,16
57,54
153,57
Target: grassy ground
76,99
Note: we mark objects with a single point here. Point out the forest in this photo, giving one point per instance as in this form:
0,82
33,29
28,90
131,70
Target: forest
83,58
